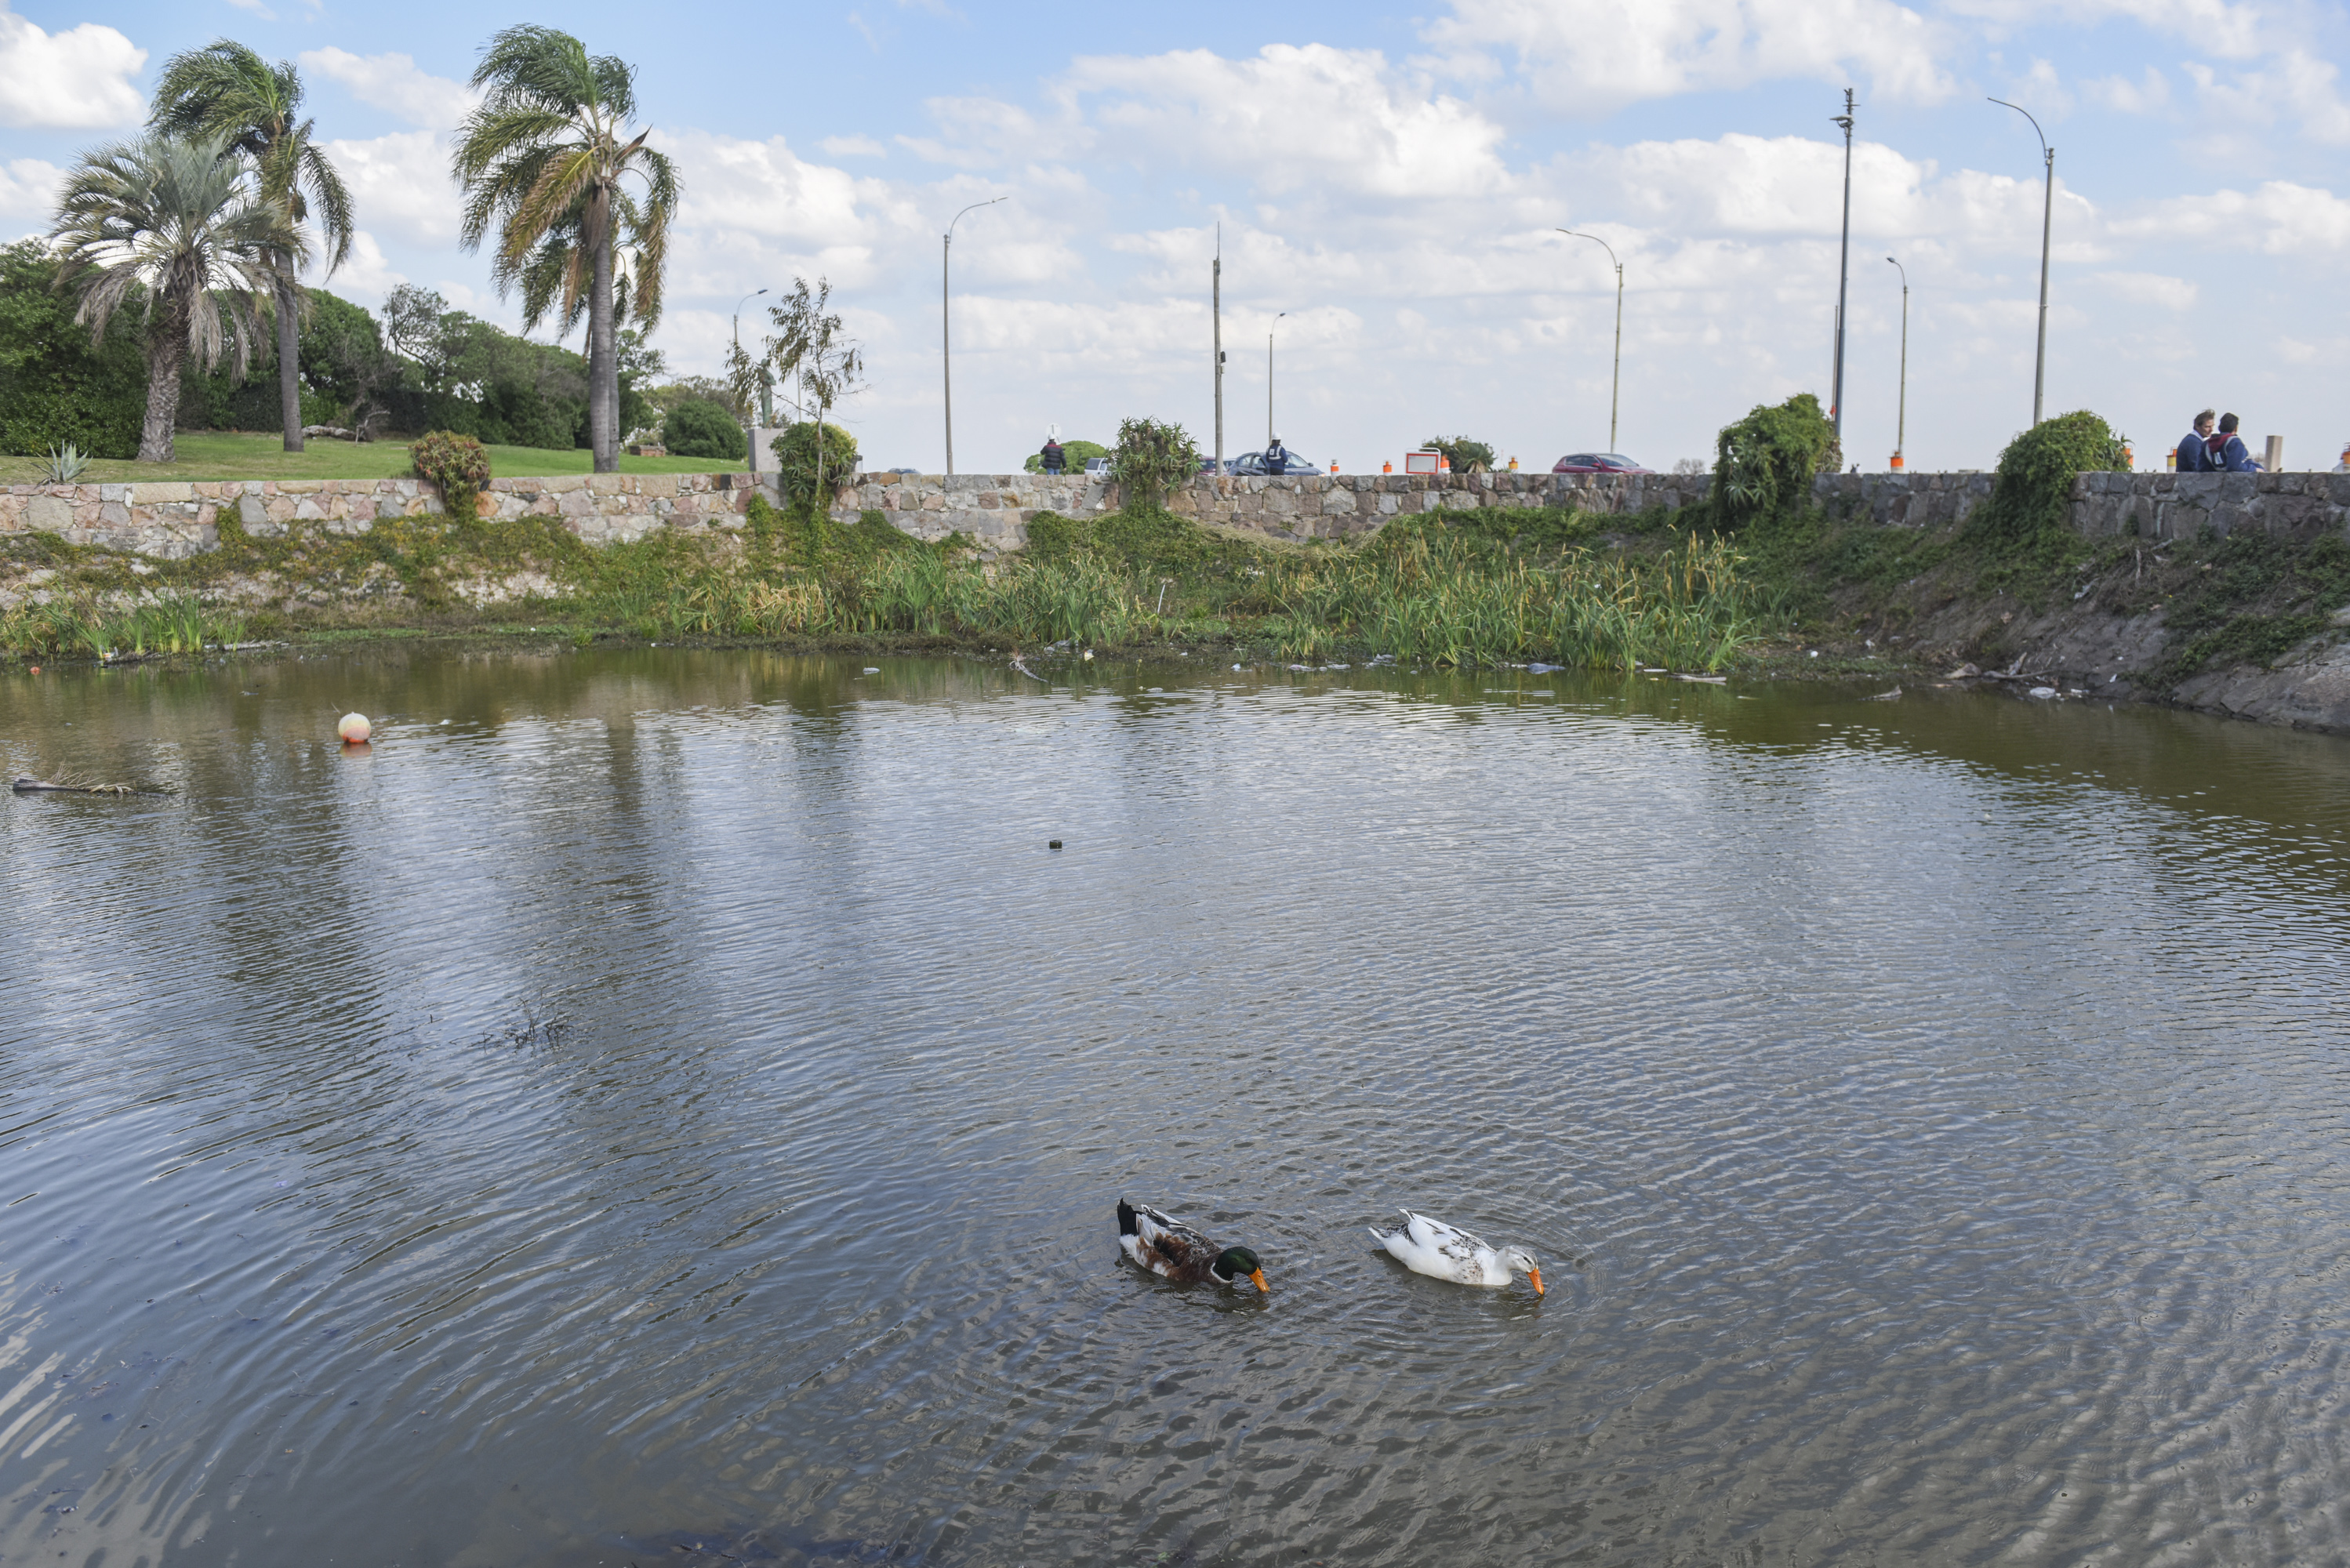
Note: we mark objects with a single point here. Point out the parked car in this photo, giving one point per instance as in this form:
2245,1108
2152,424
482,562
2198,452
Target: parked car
1598,462
1098,468
1249,463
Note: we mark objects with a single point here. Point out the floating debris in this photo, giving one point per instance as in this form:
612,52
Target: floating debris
65,784
1705,679
1885,696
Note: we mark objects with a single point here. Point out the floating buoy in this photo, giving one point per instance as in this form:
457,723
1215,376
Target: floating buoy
1056,843
354,728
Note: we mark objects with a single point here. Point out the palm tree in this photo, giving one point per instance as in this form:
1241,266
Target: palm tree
545,158
225,89
179,223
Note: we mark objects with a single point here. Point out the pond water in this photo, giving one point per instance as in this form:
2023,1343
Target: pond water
667,1105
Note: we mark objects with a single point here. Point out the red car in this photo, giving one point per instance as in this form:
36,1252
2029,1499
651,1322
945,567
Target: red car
1598,462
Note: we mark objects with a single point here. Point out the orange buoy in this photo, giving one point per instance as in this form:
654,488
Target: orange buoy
354,728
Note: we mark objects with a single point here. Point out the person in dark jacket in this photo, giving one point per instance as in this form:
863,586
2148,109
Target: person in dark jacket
2229,453
2195,452
1054,462
1276,457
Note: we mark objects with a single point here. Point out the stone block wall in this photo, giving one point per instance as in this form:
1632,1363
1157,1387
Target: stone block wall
174,520
994,508
177,519
2181,505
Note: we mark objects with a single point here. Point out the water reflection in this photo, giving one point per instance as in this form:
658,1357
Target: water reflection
659,1101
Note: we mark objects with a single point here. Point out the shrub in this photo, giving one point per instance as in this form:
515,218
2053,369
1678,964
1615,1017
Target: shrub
1465,455
1076,453
1763,465
55,387
795,452
698,427
2030,497
1151,459
457,464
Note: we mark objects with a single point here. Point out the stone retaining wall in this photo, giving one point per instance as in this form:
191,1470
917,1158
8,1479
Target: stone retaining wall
176,519
994,508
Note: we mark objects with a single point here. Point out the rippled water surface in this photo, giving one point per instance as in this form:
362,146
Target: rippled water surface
664,1105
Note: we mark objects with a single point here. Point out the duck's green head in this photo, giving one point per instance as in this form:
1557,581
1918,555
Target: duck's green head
1234,1261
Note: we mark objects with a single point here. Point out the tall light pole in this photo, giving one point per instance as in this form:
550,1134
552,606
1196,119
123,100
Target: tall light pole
750,419
1844,266
1268,379
1901,420
946,336
1216,310
2047,221
1616,383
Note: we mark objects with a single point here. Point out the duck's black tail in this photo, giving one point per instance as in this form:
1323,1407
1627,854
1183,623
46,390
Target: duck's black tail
1126,1226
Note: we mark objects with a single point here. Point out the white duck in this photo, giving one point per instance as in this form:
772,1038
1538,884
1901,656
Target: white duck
1442,1252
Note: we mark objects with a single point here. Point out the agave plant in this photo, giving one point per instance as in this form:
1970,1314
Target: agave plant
67,463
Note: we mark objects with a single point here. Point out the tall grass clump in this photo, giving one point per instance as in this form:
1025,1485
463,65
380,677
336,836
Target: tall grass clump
84,627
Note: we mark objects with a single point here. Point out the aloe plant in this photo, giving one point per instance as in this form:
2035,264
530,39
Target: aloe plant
67,463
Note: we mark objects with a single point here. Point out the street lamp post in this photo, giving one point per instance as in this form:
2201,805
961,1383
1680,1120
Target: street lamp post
1268,379
1616,381
1901,419
1844,266
1216,312
946,337
751,436
2047,221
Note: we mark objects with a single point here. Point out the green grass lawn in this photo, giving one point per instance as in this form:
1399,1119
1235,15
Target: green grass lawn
213,455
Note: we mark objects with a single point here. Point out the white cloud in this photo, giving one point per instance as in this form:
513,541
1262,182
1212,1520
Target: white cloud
257,7
400,184
2214,26
1588,57
28,190
2280,218
1294,119
366,276
75,80
853,147
2298,87
394,83
2153,288
2149,94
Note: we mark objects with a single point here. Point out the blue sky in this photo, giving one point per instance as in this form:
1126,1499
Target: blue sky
1393,179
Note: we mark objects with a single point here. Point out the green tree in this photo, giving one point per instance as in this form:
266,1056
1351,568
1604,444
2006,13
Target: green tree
181,225
226,90
56,386
545,161
808,346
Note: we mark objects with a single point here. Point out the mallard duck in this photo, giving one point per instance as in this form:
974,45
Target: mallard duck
1442,1252
1168,1247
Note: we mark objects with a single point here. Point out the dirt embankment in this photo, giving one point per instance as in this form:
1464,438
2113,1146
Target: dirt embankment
2249,625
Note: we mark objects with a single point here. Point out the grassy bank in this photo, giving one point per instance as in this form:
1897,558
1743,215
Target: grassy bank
1467,588
221,454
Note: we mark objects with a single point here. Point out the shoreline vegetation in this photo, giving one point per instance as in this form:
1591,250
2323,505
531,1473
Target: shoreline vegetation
1757,580
1462,588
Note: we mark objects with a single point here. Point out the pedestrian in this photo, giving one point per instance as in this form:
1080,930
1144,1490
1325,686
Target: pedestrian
1055,461
2229,453
2195,452
1276,456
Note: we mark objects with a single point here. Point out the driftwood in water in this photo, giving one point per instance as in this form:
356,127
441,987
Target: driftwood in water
29,785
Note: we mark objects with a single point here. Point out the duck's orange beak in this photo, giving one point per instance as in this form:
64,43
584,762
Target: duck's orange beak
1258,1276
1536,1275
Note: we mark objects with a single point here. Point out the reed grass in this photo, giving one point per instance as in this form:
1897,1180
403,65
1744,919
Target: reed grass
87,628
1422,589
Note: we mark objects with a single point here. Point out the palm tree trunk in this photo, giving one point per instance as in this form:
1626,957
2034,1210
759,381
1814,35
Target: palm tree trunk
167,347
289,361
603,361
